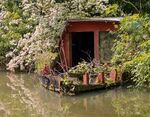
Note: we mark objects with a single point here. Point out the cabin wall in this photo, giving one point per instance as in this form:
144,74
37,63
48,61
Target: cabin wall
65,51
95,27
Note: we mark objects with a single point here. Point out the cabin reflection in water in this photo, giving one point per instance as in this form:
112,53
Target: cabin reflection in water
87,105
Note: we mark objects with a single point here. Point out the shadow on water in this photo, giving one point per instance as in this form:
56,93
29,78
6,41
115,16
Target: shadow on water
21,95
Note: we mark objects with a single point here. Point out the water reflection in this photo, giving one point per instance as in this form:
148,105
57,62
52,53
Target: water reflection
132,103
97,104
26,96
4,110
21,95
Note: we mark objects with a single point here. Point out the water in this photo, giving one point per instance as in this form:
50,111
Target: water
21,95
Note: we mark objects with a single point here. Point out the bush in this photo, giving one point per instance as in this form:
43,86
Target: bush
139,68
79,69
132,48
45,58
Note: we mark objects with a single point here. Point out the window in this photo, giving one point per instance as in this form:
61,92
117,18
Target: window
106,40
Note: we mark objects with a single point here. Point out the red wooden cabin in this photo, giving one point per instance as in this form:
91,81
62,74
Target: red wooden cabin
87,39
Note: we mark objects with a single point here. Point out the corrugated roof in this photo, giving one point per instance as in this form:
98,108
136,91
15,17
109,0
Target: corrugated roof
109,19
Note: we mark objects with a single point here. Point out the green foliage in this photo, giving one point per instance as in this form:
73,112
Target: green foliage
14,24
109,81
133,6
13,5
139,68
132,48
133,33
79,69
113,10
85,8
45,58
100,68
66,82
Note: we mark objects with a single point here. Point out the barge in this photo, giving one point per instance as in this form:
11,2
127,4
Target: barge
89,40
74,85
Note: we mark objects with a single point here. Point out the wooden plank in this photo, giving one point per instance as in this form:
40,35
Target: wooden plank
96,46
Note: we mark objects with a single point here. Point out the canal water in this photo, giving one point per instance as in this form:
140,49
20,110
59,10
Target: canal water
21,95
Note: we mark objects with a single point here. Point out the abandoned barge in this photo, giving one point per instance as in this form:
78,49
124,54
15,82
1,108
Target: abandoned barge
88,40
75,85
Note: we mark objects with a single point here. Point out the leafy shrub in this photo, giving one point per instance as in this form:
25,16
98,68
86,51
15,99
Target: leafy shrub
79,69
139,68
45,58
132,48
113,10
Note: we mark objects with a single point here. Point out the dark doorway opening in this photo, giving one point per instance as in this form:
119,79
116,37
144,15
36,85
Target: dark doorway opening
82,47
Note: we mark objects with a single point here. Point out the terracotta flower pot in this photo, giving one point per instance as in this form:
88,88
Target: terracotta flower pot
113,75
100,78
86,79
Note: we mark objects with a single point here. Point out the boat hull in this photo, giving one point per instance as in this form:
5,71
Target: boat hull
55,83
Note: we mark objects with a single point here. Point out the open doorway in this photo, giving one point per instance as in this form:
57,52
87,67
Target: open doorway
82,47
